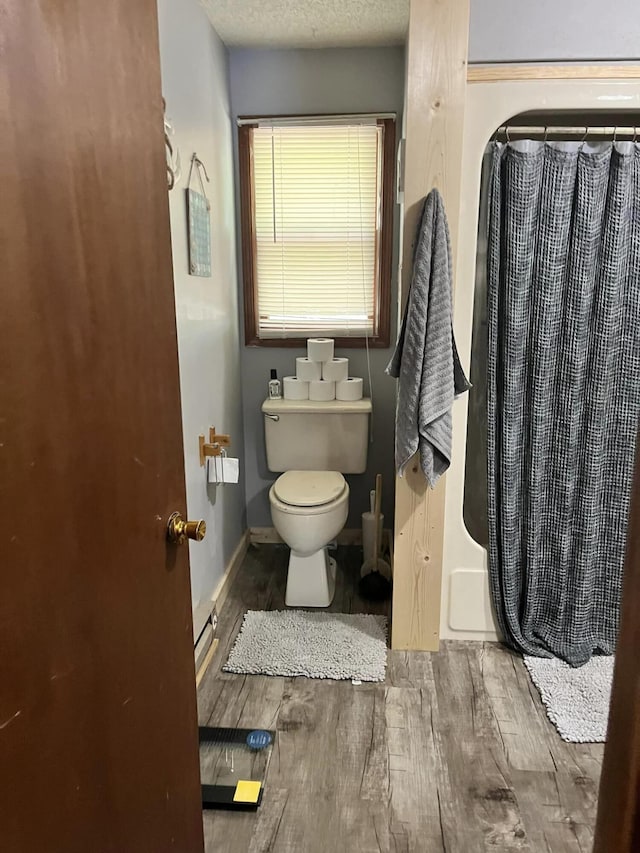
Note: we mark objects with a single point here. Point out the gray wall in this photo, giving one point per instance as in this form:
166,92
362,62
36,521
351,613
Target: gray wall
554,30
275,82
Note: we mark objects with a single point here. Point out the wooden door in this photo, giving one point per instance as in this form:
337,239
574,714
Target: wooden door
618,825
98,734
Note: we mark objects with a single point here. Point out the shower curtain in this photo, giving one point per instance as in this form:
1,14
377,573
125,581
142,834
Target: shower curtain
563,394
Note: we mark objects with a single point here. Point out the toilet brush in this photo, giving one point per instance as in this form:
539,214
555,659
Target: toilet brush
369,531
375,575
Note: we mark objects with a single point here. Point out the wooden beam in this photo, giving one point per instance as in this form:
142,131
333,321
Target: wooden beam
506,72
434,114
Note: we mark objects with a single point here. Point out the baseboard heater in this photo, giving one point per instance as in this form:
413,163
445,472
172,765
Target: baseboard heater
205,621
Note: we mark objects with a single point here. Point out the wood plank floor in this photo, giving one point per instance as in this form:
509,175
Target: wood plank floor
452,754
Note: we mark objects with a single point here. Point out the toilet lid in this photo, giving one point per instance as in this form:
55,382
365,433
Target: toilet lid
309,488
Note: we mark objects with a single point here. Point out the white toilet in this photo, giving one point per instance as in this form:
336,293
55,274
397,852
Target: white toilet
314,444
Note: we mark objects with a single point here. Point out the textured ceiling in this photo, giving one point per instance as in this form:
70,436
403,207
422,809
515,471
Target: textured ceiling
309,23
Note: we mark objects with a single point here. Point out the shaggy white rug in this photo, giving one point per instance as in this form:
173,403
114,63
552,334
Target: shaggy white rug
576,699
318,645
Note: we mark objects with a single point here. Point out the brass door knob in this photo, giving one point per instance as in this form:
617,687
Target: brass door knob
179,530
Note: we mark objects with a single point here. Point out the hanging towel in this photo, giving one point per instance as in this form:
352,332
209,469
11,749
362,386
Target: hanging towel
426,359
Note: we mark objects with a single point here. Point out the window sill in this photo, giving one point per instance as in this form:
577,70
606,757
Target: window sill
340,343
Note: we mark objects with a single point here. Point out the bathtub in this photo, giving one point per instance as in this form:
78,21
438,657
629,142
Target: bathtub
466,610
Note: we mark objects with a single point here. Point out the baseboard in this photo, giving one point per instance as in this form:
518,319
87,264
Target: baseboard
269,536
264,536
348,536
207,660
221,591
201,618
207,611
203,645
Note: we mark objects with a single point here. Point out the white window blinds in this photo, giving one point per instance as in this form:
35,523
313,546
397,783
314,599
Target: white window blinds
317,207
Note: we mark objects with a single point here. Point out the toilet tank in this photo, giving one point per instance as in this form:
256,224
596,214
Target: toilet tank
307,436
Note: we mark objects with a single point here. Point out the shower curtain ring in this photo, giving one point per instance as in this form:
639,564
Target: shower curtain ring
584,138
546,133
506,130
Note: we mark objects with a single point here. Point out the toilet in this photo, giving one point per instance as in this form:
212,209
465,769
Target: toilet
313,444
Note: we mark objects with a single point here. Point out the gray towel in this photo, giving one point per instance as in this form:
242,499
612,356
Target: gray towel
426,359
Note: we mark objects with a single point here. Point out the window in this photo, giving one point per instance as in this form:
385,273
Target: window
317,228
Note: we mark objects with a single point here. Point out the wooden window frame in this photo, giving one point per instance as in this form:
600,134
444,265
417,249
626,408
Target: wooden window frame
382,296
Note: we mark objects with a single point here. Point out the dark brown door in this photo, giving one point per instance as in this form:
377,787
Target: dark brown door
98,736
618,825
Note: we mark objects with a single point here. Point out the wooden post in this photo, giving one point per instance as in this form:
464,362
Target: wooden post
434,114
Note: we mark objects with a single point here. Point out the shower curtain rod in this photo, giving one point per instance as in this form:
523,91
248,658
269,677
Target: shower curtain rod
582,132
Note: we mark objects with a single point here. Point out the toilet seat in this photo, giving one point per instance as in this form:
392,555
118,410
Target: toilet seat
293,490
309,489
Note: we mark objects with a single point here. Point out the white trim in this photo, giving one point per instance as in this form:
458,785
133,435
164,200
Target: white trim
347,118
221,591
203,611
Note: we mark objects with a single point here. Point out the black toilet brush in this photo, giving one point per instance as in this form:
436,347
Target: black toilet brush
375,574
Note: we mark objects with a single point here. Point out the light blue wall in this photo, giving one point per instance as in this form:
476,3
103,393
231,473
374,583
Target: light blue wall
276,82
195,84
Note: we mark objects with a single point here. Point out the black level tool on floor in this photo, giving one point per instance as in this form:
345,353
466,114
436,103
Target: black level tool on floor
233,766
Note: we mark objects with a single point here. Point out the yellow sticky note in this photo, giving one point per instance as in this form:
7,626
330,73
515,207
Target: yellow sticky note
247,792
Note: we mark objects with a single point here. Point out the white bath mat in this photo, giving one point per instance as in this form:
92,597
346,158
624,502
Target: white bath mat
318,645
577,700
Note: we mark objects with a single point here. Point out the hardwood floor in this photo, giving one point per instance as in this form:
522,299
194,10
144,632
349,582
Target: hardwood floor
452,754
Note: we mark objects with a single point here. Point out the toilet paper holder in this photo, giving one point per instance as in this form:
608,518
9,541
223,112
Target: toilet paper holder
214,446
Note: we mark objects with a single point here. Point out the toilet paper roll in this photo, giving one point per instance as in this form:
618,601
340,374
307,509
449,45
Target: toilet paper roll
321,391
320,349
349,389
335,370
308,370
295,388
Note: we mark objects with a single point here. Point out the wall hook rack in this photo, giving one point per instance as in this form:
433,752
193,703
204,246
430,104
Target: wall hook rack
174,169
217,441
197,162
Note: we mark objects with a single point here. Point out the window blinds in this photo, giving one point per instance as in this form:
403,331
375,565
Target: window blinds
317,212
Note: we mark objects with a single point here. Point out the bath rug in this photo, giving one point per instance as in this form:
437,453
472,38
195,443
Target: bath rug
576,699
317,645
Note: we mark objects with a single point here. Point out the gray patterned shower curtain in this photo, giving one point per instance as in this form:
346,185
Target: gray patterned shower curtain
563,393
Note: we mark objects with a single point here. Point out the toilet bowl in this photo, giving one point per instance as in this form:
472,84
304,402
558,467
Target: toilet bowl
309,509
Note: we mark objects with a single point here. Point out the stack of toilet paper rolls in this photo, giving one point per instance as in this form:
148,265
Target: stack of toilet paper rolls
322,377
